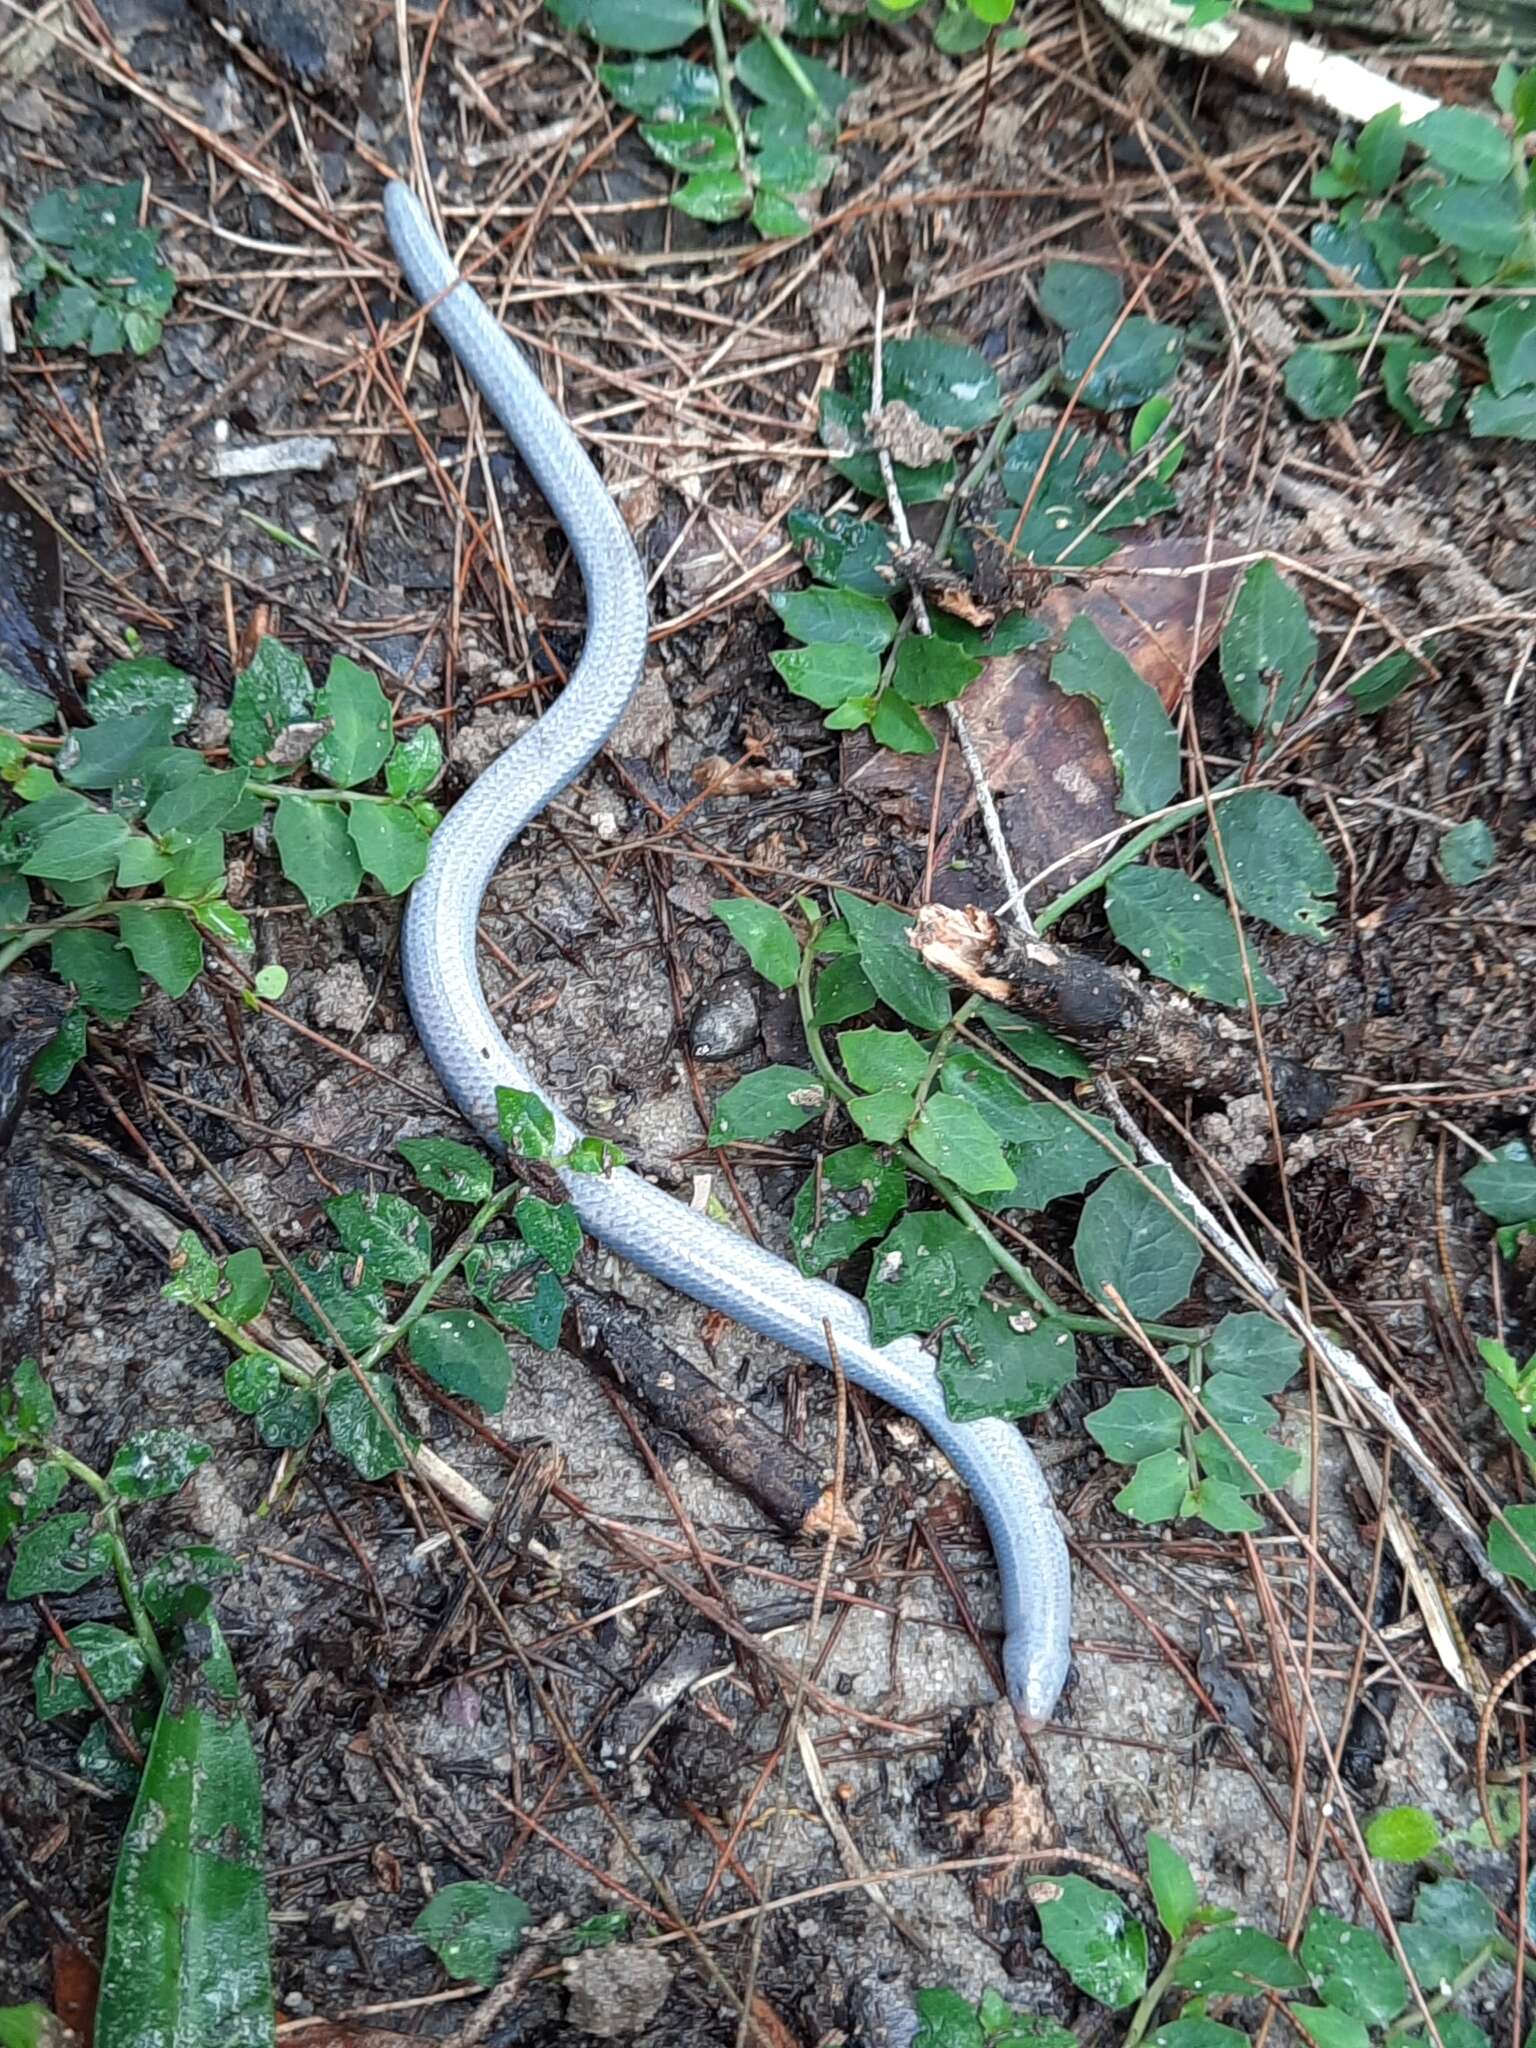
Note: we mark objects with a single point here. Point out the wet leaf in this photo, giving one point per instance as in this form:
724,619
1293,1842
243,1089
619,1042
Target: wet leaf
1235,1961
994,1361
289,1419
356,1428
714,196
843,990
844,618
764,935
353,1306
948,384
392,1236
473,1929
32,1410
932,670
1504,1187
114,1659
391,843
828,674
142,683
276,691
1098,1942
114,750
1321,383
179,1583
945,2020
1268,649
1128,1240
514,1285
765,1103
1467,852
883,1117
1463,143
931,1266
456,1172
956,1141
155,1463
1157,1489
860,1196
842,549
464,1354
1280,869
1183,935
1402,1834
1174,1890
1140,360
162,943
187,1953
1031,1046
1142,741
76,847
58,1556
252,1381
415,763
525,1123
1353,1969
246,1288
875,1059
552,1229
1077,295
661,89
194,1271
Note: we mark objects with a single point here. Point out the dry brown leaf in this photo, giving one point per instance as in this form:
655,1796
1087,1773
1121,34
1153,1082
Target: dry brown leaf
1044,753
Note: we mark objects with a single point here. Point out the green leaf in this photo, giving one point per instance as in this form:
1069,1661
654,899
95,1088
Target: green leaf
764,935
1477,219
34,1412
763,1104
828,675
1099,1944
1321,383
1463,143
932,671
1352,1969
193,804
1467,852
843,430
843,990
1280,869
196,870
1268,648
945,2020
1512,1544
289,1420
993,1361
1379,149
415,763
1409,390
525,1123
1504,1187
714,196
356,1428
759,70
696,143
105,977
598,1930
1216,1502
252,1380
1200,2032
464,1354
1128,1240
163,944
663,89
1031,1046
1510,344
1257,1349
187,1952
956,1141
155,1463
1273,1464
77,847
1453,1921
1384,681
473,1929
593,1155
856,1198
1136,1423
1235,1962
842,549
947,383
392,1237
1174,1890
179,1582
1078,295
354,1307
877,1059
24,710
1016,1117
392,845
67,216
30,2026
456,1172
1402,1834
142,683
896,725
114,1660
1142,741
194,1271
276,691
1183,935
270,982
1135,366
883,1118
1157,1489
836,618
552,1229
59,1556
514,1285
896,973
63,1053
317,853
931,1266
114,750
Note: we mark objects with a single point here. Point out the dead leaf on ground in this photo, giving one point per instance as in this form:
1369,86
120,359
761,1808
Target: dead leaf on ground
76,1980
1045,753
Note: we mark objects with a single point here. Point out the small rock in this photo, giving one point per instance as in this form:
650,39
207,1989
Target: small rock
342,998
725,1022
616,1991
650,720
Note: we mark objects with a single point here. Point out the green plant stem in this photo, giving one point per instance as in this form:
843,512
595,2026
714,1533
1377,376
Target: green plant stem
1149,835
444,1270
953,1199
34,934
782,51
1409,2021
285,790
242,1342
122,1564
724,74
941,1045
50,262
1155,1992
